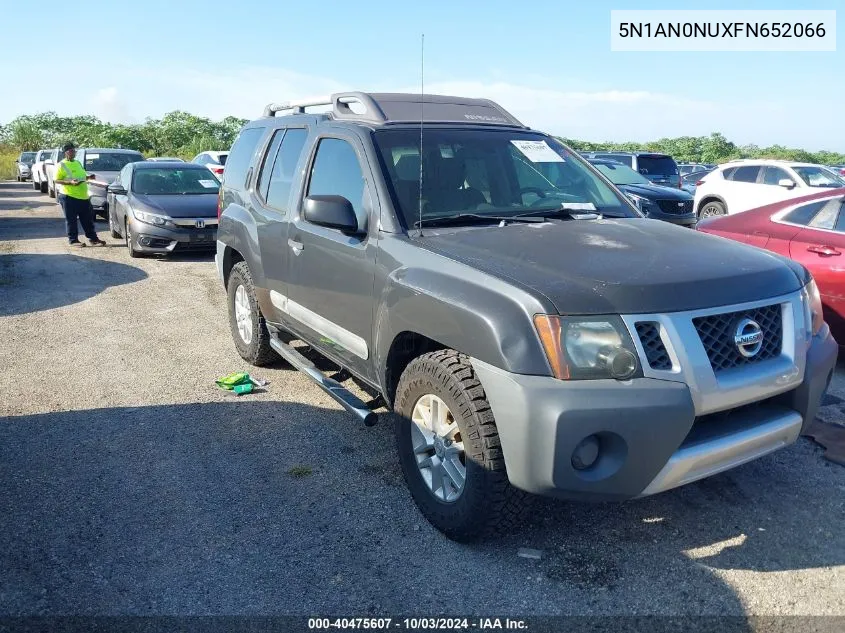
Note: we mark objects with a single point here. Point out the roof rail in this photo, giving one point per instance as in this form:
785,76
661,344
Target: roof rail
298,106
386,108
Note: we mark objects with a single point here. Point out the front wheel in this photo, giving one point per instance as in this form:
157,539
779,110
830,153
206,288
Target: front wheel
130,241
450,451
712,209
35,185
42,186
113,228
249,329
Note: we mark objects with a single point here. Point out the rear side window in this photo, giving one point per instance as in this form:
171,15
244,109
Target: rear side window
657,165
746,174
284,166
337,172
773,175
805,213
619,158
240,157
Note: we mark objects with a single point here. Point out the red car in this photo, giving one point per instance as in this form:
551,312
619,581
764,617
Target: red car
810,230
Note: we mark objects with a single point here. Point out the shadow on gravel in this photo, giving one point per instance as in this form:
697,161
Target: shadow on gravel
31,283
32,228
247,507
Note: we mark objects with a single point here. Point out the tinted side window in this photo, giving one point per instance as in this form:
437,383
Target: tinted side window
267,167
746,174
803,214
241,156
281,179
337,172
826,218
773,175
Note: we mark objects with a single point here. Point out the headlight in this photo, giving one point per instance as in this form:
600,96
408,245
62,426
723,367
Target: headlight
639,202
151,218
581,348
812,301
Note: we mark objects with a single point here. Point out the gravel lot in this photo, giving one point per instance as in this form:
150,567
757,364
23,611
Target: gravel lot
132,485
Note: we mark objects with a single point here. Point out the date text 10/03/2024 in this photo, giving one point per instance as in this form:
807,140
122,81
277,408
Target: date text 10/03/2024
417,624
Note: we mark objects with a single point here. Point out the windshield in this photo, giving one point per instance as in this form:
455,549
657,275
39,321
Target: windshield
169,181
488,173
656,165
819,177
111,161
27,157
621,174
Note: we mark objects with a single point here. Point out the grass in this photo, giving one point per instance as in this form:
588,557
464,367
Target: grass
8,161
300,471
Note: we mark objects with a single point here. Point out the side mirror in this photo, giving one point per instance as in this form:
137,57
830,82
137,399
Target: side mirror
335,212
117,189
786,183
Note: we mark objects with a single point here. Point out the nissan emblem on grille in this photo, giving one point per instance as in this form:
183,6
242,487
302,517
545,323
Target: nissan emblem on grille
748,337
200,224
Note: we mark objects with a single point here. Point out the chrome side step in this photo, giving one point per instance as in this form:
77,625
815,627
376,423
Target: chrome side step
341,394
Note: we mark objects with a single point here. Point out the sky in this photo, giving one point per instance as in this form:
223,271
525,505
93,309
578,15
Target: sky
548,62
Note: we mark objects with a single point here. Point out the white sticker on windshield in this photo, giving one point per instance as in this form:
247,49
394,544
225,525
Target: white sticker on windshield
446,151
538,152
91,157
208,184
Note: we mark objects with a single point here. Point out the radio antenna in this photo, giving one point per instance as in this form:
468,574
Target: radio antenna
422,112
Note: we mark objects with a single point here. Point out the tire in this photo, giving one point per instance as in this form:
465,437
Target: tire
712,209
18,178
51,191
43,186
112,229
249,331
36,186
127,234
487,504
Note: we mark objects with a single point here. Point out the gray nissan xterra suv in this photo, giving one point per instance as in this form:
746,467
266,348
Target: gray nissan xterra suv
527,327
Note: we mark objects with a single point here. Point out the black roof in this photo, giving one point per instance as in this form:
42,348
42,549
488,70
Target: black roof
388,108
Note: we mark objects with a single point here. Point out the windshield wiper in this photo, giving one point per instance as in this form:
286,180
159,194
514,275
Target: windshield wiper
477,218
574,210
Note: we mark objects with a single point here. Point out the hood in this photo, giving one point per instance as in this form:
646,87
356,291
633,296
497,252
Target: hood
203,205
656,192
615,266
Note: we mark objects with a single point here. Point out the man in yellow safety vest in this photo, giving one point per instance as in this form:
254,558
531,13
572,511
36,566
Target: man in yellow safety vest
72,187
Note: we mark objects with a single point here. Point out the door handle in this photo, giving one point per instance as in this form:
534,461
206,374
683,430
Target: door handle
824,251
295,246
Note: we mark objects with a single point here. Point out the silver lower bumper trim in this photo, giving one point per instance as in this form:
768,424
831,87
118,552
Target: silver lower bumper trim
700,460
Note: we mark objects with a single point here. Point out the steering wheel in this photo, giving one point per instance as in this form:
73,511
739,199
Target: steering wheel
537,190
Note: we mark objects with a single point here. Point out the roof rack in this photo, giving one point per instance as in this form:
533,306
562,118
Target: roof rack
298,106
385,108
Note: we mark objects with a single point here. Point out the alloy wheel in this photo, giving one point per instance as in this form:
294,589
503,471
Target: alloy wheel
438,448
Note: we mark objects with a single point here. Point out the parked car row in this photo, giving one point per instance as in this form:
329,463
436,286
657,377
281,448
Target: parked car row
157,205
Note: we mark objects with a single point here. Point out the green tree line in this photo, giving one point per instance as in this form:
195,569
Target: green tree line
175,134
185,135
711,149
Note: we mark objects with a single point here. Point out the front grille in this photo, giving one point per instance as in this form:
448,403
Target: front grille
655,350
717,334
675,207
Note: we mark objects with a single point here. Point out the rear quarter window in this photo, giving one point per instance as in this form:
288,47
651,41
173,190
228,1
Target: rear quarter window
240,157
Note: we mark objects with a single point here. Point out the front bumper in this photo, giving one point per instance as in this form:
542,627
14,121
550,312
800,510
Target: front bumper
650,436
148,238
